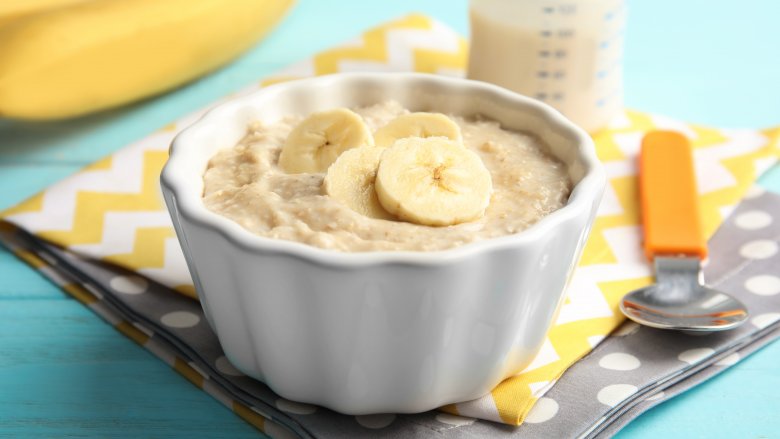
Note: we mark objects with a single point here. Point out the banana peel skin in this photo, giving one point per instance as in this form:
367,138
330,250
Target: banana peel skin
95,55
13,10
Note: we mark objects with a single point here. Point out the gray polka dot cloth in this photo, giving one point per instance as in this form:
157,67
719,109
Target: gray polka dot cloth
629,372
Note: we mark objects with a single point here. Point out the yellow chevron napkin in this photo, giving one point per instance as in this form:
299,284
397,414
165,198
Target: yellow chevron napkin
112,210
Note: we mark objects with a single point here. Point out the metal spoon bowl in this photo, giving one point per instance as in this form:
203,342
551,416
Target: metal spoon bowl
679,300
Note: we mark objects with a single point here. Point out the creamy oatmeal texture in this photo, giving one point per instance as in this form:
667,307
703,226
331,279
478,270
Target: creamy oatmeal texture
245,184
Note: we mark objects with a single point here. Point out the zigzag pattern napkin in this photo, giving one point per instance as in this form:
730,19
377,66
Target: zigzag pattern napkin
112,211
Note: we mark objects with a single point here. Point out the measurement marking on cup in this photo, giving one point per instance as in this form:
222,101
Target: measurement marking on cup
609,96
610,15
565,33
563,9
612,38
605,71
567,9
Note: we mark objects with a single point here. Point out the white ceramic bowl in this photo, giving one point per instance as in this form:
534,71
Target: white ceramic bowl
382,331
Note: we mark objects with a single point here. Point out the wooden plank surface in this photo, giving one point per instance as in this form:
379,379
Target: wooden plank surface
64,372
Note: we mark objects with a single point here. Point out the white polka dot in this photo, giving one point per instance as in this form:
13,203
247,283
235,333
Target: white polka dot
457,421
655,396
619,361
297,408
760,249
180,319
763,285
693,356
755,192
375,421
614,394
729,361
543,410
129,284
626,328
761,321
226,367
276,431
752,220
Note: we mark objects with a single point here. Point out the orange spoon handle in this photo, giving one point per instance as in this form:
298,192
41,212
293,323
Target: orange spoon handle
670,205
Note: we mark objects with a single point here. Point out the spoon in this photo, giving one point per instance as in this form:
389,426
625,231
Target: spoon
673,240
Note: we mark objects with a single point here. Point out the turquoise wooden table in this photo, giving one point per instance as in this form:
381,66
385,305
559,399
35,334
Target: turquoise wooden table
63,372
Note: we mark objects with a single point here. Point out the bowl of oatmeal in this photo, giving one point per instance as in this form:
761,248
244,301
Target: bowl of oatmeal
379,243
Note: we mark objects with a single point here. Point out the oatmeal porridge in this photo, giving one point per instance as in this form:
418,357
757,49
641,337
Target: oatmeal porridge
246,184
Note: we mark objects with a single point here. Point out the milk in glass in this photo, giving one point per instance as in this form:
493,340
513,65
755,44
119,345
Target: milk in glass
565,53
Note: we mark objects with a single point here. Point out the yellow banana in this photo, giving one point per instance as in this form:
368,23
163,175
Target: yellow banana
350,180
316,142
417,125
101,54
12,10
433,181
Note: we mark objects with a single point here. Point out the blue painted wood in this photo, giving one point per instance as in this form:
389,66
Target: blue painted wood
703,61
743,402
65,372
20,282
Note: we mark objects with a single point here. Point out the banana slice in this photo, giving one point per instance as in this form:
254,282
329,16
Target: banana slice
351,178
417,125
316,142
433,181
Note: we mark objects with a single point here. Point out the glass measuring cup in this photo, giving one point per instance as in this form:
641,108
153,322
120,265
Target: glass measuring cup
567,53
